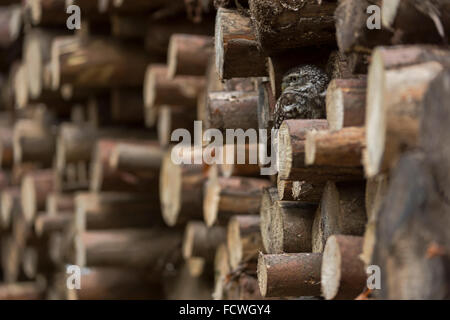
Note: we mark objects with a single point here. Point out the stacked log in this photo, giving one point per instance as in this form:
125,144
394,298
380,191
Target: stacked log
138,152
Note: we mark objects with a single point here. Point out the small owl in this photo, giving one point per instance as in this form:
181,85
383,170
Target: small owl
303,95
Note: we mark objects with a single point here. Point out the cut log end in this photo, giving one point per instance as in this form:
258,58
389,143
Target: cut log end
170,188
35,68
375,117
172,58
310,147
28,198
343,275
234,243
389,12
211,202
331,269
335,107
285,151
262,275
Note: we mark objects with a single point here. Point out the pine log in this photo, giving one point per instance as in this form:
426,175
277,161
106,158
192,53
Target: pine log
290,227
32,142
341,211
74,143
338,66
103,283
134,157
36,260
10,25
343,275
294,274
396,88
243,240
181,189
266,105
268,201
284,188
188,55
159,31
37,54
237,52
59,203
179,91
171,118
226,197
232,110
107,178
96,62
10,260
413,22
46,224
412,241
351,27
10,206
6,148
291,148
289,190
341,148
22,291
34,190
149,249
291,155
434,137
51,13
239,162
279,26
221,271
139,6
19,87
201,242
346,103
375,193
127,107
114,210
197,266
128,27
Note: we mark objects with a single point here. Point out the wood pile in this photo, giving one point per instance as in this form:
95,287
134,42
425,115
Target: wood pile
88,127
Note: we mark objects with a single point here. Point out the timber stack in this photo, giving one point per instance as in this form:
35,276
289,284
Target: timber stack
99,200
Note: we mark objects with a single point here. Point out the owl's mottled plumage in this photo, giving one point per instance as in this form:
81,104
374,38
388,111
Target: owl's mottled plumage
303,95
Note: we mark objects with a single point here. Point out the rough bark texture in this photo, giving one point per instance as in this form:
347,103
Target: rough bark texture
284,275
236,49
279,26
342,211
346,103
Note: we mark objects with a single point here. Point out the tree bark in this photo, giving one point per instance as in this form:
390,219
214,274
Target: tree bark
343,148
237,52
285,275
396,88
226,197
116,210
188,55
147,249
232,110
243,240
342,211
343,273
346,103
279,26
181,189
180,91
